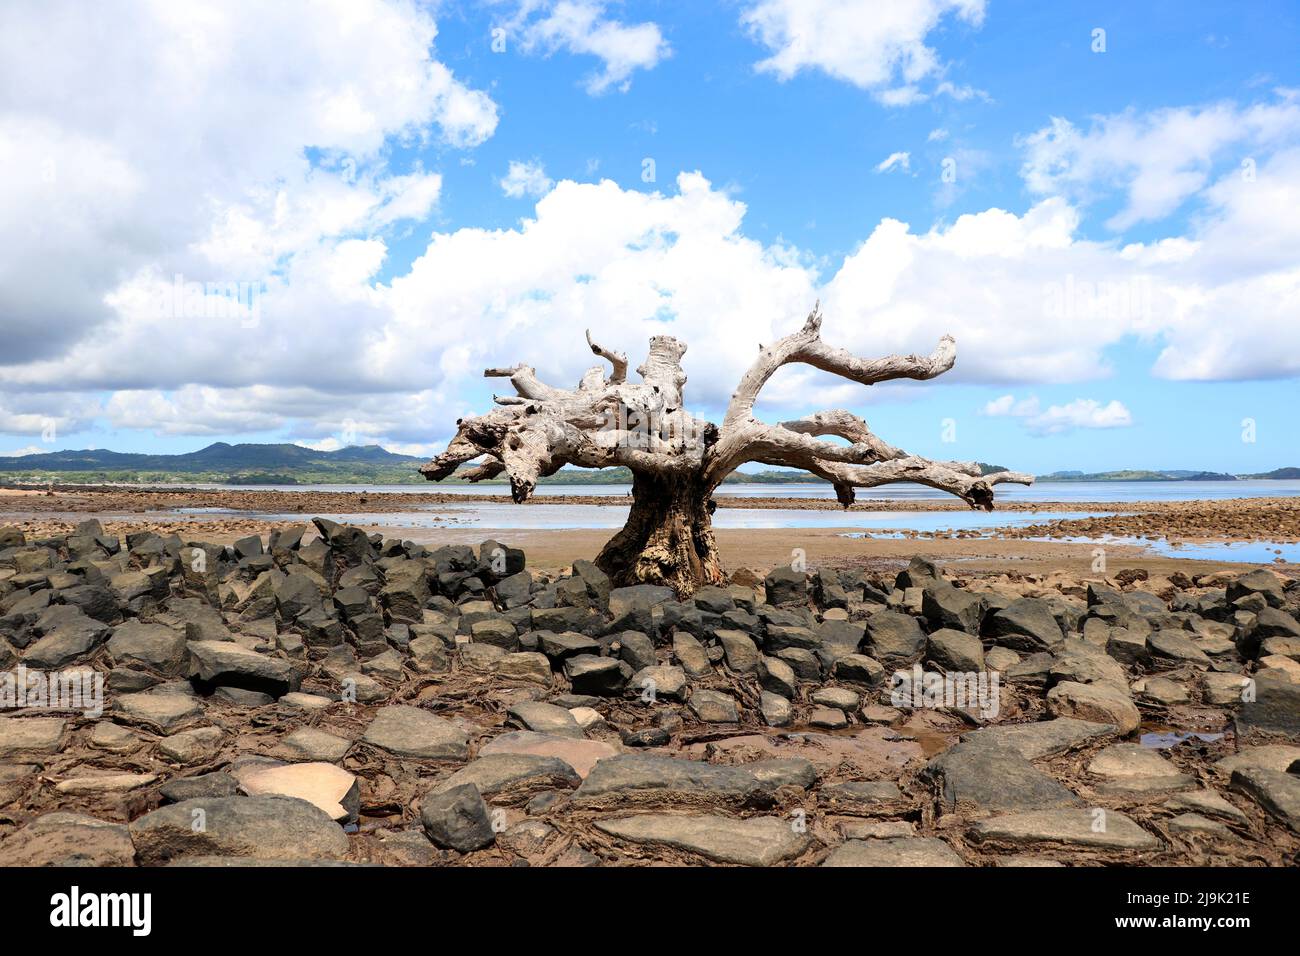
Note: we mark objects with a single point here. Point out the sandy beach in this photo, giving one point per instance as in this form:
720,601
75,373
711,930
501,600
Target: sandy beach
225,515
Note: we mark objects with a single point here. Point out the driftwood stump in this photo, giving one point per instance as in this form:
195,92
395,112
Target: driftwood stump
677,460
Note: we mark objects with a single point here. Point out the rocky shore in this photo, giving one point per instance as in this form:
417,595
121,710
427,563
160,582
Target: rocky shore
325,695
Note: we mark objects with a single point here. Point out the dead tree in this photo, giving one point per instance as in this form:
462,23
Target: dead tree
677,460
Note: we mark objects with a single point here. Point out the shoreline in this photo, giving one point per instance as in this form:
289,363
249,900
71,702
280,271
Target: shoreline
234,512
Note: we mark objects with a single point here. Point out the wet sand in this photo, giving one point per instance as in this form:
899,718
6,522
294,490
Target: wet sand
39,513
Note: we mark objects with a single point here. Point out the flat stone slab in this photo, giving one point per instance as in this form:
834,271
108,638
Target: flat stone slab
331,788
312,743
1275,709
310,702
777,772
1195,823
261,828
411,732
978,772
1132,768
1046,738
760,841
105,783
514,777
900,851
861,797
30,735
632,779
877,829
167,712
581,755
192,746
1277,792
1268,757
1100,830
1205,802
68,839
545,718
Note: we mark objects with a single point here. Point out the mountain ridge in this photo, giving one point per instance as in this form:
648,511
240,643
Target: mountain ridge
288,463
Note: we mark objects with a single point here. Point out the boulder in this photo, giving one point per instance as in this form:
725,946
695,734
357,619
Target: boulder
153,646
786,585
1098,703
1026,624
228,664
955,651
894,638
457,819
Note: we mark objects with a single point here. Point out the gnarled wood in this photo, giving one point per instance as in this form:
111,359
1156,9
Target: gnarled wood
677,460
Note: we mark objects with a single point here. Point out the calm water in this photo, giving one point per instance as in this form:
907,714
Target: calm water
871,524
1115,491
563,516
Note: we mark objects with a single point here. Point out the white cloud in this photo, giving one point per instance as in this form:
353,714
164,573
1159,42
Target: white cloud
893,161
879,47
1061,419
336,354
183,158
937,135
581,27
525,179
1158,159
20,452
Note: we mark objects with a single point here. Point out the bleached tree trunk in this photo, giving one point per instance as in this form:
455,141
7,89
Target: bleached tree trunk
677,461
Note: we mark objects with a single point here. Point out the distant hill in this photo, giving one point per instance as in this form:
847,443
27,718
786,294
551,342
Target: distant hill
222,463
1174,475
287,464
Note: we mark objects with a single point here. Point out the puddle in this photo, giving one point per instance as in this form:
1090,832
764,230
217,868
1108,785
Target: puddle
1168,739
1244,552
539,517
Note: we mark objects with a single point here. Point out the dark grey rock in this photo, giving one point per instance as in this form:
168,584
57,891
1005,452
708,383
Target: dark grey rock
892,637
457,819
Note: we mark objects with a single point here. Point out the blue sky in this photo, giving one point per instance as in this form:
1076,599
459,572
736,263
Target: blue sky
360,187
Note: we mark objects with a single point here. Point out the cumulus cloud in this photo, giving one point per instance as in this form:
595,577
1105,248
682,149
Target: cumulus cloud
122,164
879,47
1061,419
349,356
581,27
1158,159
525,179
